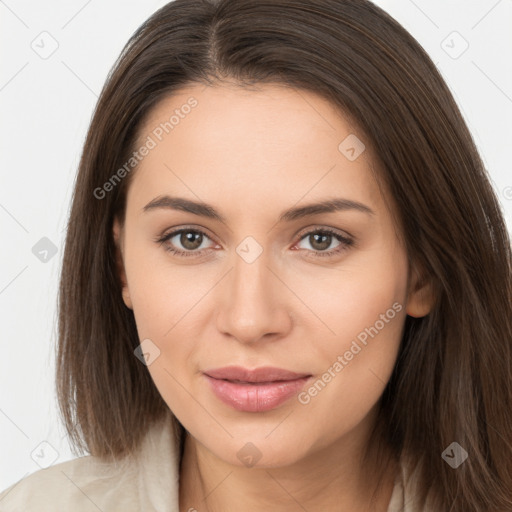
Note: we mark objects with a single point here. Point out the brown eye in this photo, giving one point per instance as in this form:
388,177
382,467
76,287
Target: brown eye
321,239
321,242
184,242
191,240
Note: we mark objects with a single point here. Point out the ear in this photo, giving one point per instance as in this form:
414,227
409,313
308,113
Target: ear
119,243
421,295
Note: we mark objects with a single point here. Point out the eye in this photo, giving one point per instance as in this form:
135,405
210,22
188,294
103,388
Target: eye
190,239
321,239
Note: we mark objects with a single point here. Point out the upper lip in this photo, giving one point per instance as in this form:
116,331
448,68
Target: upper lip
263,374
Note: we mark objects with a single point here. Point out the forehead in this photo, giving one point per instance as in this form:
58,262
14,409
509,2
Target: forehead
266,112
260,143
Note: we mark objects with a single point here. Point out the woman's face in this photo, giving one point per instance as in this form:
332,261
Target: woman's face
262,279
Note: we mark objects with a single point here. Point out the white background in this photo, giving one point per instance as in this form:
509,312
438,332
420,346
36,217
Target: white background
46,107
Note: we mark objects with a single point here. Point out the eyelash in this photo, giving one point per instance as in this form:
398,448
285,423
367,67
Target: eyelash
345,242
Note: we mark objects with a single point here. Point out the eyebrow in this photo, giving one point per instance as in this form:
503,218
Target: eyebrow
206,210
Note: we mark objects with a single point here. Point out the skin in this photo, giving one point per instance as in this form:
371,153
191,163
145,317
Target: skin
252,154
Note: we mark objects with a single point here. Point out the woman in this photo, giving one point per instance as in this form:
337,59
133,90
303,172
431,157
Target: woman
287,279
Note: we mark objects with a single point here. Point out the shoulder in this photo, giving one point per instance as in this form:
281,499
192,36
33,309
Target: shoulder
86,483
408,487
146,480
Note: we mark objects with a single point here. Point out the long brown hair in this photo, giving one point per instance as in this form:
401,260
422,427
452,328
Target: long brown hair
453,377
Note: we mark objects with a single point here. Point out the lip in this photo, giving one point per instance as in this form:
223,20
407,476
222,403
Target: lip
258,390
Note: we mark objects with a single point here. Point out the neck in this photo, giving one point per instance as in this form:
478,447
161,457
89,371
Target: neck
330,479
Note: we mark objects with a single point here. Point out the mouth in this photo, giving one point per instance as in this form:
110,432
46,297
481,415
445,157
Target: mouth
258,390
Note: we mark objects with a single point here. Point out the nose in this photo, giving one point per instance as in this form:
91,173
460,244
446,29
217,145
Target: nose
253,302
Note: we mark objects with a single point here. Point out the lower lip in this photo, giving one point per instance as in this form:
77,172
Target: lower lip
255,397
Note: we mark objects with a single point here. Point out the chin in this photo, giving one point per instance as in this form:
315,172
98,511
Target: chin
256,451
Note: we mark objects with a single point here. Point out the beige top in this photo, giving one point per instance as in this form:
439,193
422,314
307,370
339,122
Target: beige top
148,481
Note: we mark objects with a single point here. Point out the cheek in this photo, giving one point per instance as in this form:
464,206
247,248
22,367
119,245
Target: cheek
363,313
353,370
364,326
168,304
342,302
162,292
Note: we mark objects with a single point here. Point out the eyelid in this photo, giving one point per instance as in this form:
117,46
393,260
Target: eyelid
320,227
193,227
